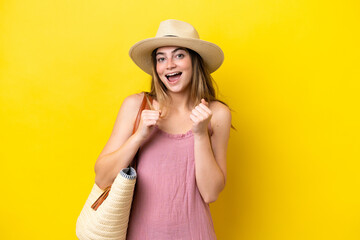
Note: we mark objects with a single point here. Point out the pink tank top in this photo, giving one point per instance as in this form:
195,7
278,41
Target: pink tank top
167,203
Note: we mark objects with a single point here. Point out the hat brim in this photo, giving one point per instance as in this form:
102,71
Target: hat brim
211,54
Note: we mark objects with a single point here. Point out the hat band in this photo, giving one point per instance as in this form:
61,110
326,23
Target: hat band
170,36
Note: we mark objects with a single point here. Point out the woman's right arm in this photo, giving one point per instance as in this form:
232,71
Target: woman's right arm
121,147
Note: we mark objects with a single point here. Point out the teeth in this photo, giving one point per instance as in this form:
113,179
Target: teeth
171,74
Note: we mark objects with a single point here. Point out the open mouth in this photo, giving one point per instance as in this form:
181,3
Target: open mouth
172,77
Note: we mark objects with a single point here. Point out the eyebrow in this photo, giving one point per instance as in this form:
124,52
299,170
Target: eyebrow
177,49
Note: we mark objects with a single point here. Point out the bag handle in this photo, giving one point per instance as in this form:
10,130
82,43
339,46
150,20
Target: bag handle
145,104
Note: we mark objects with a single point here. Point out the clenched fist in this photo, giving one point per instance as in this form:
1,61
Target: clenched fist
149,118
201,116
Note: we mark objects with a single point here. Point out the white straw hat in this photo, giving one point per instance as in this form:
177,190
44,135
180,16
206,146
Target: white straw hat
176,33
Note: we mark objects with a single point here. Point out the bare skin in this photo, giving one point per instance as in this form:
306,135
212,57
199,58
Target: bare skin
209,151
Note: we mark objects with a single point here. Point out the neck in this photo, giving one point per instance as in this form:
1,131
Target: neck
180,101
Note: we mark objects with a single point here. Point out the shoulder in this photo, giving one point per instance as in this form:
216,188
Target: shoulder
133,101
130,107
221,116
220,110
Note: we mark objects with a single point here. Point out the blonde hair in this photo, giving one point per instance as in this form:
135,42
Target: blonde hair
201,85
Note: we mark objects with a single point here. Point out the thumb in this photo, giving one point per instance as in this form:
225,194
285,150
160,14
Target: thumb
204,102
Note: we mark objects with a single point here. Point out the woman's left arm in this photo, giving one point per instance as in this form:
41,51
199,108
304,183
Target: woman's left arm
210,155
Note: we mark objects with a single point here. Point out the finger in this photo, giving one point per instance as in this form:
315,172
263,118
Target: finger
204,102
151,119
150,122
197,114
151,111
150,114
203,106
194,118
202,111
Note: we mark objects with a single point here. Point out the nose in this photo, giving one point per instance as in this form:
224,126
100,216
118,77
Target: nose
170,64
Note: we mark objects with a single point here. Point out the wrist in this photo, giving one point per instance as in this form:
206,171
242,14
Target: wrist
201,135
137,138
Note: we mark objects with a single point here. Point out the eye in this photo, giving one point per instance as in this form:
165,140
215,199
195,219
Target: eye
180,55
161,59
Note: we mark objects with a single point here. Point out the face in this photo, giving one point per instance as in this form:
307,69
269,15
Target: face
173,65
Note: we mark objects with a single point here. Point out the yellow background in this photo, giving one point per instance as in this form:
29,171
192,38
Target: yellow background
290,74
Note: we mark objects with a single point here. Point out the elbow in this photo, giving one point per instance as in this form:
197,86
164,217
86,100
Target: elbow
97,166
103,181
210,198
100,180
100,176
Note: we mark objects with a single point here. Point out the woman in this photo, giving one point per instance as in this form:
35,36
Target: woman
182,141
